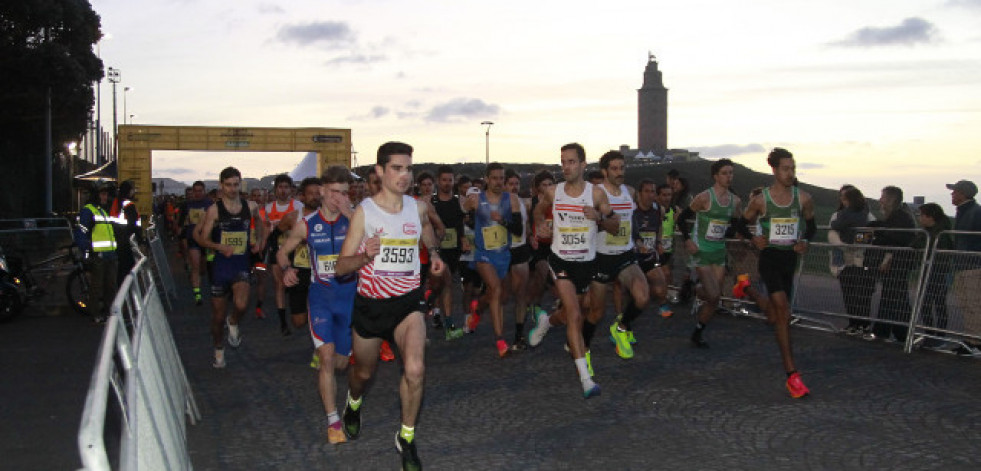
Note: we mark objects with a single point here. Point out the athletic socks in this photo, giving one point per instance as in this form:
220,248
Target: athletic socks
282,316
333,418
588,329
407,433
629,315
354,405
583,370
791,373
519,330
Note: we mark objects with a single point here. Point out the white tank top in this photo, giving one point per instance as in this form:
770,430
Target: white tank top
518,241
395,270
622,241
573,236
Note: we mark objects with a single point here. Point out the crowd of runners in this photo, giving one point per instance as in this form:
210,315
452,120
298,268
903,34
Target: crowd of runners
374,262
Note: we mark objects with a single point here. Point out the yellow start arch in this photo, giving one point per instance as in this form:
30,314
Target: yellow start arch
137,143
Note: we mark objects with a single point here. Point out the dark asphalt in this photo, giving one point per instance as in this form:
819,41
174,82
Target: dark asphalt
671,407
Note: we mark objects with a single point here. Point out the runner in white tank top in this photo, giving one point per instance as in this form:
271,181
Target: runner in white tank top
616,262
577,208
382,244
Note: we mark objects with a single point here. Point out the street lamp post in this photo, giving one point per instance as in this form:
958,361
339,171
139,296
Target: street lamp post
125,89
487,141
114,78
130,118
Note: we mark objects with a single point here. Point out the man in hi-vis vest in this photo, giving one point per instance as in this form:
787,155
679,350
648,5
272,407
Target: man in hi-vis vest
98,242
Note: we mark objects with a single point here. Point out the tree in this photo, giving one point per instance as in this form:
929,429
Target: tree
45,45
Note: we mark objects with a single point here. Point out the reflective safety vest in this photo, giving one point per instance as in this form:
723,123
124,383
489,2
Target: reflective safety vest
103,237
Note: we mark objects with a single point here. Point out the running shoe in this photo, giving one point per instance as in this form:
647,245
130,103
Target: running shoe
352,422
589,363
385,352
666,311
739,289
234,338
502,348
219,358
622,341
697,340
410,460
630,335
285,330
470,325
437,319
315,361
197,299
453,333
519,345
259,314
537,333
796,386
335,435
590,389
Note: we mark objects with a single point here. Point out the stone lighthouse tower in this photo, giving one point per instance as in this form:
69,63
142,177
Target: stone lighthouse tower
652,111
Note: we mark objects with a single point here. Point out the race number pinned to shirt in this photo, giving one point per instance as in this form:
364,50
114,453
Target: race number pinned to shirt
622,237
783,231
495,236
649,240
574,240
237,240
301,257
450,239
326,265
397,257
195,215
716,230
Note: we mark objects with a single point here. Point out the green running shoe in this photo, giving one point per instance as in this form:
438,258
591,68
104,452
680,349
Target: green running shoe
622,340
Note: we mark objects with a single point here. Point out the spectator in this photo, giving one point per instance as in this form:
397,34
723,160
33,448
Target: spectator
893,266
857,283
933,310
967,269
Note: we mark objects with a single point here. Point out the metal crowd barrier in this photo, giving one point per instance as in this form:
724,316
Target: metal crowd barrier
950,310
871,286
138,359
159,258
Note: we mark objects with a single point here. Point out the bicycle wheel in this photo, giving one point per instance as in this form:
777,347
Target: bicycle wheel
78,293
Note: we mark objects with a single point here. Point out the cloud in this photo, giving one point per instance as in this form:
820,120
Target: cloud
908,33
269,8
330,32
176,171
406,114
461,108
375,113
728,150
356,58
810,165
964,3
413,104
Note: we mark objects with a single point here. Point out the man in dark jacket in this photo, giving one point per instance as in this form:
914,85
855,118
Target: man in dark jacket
893,266
967,267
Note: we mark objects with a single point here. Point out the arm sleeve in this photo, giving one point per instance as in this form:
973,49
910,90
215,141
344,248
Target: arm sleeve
810,228
683,222
741,227
515,225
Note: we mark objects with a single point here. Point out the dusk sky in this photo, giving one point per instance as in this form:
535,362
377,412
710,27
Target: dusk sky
870,93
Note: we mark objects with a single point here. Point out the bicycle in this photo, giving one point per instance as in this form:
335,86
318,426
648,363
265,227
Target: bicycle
77,285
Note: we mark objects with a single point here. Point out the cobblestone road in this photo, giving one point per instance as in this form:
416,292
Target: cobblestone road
671,407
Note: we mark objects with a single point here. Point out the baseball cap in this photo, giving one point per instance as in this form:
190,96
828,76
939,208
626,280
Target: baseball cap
964,186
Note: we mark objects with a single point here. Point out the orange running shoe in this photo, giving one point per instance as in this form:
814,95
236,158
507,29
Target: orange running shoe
502,348
796,386
739,289
386,353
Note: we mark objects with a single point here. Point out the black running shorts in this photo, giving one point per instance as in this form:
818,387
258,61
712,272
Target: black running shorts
579,273
777,267
608,267
378,318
